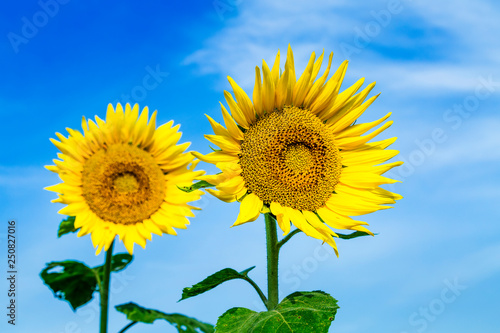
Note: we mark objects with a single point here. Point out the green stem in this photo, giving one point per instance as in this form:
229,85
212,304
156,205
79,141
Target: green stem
272,262
128,326
104,291
287,238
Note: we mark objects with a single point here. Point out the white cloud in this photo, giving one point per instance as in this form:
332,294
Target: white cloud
262,27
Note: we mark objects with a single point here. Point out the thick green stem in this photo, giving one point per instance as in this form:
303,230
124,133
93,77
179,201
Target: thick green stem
104,291
272,262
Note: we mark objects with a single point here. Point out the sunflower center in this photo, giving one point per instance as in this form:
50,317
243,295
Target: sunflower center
298,158
126,183
289,156
123,184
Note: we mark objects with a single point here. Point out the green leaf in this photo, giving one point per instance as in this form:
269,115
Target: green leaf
213,281
195,186
353,235
118,262
182,323
75,283
300,312
67,226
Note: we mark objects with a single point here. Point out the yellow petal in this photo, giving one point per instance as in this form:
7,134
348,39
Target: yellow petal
316,88
282,90
290,66
303,84
257,93
364,180
143,231
340,101
267,89
74,209
249,209
355,142
359,129
218,128
275,71
244,102
336,220
283,220
367,157
152,227
350,205
375,196
231,126
226,144
140,126
343,119
217,156
235,110
222,195
328,93
232,186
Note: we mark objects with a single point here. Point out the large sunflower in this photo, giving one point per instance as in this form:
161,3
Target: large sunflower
295,151
121,177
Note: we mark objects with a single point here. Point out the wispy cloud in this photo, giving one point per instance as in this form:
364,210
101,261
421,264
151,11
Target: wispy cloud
417,28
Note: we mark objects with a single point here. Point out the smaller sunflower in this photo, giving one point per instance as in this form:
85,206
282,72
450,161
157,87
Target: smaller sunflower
121,177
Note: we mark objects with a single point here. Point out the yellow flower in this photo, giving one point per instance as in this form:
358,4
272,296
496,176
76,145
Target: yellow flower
294,151
121,177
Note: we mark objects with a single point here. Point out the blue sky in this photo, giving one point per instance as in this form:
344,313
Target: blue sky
434,265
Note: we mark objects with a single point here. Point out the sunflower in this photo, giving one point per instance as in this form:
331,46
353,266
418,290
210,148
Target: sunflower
295,152
121,177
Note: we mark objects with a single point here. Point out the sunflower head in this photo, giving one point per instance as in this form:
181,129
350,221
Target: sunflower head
121,176
294,150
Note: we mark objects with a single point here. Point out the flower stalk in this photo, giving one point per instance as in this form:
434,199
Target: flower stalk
272,262
104,290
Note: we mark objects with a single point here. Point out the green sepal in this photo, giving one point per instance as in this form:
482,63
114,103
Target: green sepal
214,149
182,323
66,226
195,186
300,312
76,282
354,235
213,281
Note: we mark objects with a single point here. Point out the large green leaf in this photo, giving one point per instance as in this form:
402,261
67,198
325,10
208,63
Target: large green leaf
182,323
213,281
75,283
66,226
195,186
300,312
